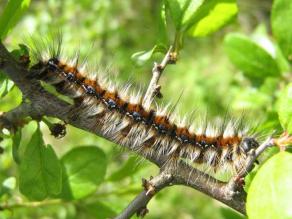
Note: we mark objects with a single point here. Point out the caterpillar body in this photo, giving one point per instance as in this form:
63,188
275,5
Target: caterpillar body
123,116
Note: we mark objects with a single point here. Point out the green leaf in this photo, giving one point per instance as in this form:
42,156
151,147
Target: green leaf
199,17
227,213
217,17
22,51
2,76
15,146
281,60
161,25
8,185
270,192
191,8
11,14
6,86
248,179
285,108
139,58
99,210
128,169
281,25
181,11
40,170
85,169
255,62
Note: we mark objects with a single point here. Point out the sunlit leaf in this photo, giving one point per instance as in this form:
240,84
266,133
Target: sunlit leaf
269,195
217,17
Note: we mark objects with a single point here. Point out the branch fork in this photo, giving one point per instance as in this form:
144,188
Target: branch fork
151,187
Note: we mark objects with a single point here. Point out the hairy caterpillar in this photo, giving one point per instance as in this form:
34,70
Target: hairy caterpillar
123,116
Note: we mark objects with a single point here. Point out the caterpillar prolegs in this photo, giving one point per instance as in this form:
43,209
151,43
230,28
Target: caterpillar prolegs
122,115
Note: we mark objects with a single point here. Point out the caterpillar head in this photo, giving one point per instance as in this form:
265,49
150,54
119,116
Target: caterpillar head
43,67
247,144
47,70
52,64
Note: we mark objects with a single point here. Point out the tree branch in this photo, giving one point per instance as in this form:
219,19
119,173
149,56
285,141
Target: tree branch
187,176
152,187
153,87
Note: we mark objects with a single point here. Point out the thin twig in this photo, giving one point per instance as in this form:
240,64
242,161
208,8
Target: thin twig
152,187
253,155
153,88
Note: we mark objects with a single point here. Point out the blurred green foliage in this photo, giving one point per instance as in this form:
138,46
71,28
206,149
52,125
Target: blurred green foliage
92,178
11,14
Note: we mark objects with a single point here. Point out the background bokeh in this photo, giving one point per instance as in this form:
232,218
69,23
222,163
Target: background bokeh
109,32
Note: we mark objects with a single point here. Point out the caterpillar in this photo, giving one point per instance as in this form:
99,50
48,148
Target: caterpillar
122,115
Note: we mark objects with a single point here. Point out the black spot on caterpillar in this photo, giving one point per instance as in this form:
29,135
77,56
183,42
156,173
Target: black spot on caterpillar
221,145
